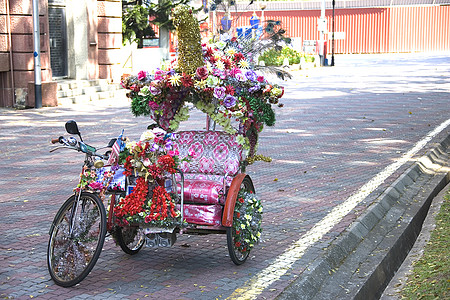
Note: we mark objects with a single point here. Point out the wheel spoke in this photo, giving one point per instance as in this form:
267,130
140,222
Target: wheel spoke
73,253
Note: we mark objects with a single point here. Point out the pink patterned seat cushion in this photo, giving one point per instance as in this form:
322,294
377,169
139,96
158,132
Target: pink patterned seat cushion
202,191
212,152
202,214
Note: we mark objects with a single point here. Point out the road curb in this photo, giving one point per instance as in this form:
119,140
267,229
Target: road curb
365,254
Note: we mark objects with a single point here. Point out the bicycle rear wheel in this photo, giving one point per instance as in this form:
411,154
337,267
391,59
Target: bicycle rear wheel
72,254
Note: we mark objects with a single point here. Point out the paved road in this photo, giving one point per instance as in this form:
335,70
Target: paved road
339,128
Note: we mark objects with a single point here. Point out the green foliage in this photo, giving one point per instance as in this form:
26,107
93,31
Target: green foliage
273,57
139,106
138,15
263,112
431,274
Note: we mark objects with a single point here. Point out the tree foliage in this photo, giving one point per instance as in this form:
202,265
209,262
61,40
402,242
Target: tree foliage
139,15
135,22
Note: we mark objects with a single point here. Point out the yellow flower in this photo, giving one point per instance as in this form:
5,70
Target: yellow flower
276,92
200,84
217,55
243,64
148,135
130,146
175,80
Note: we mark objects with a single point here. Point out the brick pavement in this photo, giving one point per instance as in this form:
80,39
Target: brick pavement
340,126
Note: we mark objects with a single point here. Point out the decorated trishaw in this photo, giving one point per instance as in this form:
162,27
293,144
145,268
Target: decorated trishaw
169,181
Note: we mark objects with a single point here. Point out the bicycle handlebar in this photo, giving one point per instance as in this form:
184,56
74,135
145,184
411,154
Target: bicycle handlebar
77,145
58,140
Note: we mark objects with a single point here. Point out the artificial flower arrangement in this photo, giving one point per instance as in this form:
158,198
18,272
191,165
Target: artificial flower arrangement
247,227
150,161
226,88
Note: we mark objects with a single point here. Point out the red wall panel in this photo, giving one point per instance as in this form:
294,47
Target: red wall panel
368,30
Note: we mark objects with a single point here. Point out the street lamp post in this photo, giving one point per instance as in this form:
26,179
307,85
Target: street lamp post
332,37
37,56
322,28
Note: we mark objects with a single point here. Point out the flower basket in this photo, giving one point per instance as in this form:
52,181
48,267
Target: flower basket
149,164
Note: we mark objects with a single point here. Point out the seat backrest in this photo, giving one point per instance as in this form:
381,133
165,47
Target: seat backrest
212,152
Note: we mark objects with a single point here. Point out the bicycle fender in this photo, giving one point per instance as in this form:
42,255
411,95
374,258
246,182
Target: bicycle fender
228,210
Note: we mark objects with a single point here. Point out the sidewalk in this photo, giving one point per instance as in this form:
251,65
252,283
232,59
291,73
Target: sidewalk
344,147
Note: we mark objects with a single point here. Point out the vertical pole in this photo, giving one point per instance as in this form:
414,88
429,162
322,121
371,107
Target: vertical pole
11,61
37,57
332,38
322,35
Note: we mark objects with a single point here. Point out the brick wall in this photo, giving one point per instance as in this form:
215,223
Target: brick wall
109,38
21,26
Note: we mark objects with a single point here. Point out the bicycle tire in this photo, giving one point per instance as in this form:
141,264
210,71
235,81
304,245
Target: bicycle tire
71,257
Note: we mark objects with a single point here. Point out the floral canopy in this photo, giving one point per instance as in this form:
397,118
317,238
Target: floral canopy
225,87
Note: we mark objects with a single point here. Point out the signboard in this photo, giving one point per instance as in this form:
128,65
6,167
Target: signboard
150,43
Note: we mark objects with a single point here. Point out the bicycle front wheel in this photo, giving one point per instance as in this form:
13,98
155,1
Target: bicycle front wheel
76,239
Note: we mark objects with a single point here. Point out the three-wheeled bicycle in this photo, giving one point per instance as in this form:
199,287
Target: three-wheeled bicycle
171,182
203,192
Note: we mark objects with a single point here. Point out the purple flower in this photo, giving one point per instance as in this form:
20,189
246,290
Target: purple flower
168,144
254,88
240,77
155,90
251,75
229,101
219,92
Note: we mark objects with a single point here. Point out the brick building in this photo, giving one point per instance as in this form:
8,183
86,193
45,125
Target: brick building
79,40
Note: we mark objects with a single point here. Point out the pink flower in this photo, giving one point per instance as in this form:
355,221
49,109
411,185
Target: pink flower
147,162
159,75
153,105
240,77
235,71
202,73
142,75
96,185
173,152
260,78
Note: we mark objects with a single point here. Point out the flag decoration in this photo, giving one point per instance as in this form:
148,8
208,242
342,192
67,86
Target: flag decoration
116,148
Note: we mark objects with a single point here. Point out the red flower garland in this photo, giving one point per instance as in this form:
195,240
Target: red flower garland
133,203
161,200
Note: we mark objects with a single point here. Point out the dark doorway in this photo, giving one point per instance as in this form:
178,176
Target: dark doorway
58,37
